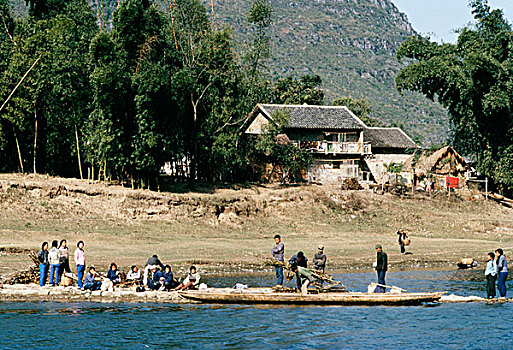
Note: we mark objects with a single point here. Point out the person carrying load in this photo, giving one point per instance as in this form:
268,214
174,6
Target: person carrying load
298,265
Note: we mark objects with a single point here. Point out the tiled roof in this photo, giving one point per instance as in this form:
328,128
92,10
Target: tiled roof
388,138
317,117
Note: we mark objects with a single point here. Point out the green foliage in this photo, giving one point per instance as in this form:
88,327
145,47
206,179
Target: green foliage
360,107
287,156
56,93
394,168
472,79
305,90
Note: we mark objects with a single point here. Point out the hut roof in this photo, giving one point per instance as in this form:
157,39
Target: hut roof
444,161
388,138
317,117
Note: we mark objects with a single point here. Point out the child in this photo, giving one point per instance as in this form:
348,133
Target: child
491,276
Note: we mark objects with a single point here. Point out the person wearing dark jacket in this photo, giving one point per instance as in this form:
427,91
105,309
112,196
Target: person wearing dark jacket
152,262
169,282
319,259
157,279
113,274
278,253
402,238
502,272
381,268
298,260
42,257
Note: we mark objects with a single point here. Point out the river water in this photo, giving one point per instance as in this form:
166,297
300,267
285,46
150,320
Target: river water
154,326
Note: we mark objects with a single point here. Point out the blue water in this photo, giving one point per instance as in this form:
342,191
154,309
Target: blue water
142,326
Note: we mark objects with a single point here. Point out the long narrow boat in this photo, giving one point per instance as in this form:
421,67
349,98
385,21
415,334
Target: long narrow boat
269,296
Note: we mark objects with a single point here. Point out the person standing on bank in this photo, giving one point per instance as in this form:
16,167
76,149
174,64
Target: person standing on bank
319,259
381,268
491,276
278,253
53,259
502,272
80,262
402,238
42,256
63,258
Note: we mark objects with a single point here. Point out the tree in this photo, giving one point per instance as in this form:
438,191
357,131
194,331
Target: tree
273,147
305,90
49,107
360,107
472,79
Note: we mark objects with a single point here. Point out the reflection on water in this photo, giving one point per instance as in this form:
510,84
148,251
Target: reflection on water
143,326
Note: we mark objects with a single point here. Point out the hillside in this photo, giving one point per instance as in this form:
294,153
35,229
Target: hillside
229,230
350,44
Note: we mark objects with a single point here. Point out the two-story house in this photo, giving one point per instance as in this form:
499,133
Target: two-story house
335,136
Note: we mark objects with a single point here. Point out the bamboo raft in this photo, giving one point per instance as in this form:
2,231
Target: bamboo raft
270,296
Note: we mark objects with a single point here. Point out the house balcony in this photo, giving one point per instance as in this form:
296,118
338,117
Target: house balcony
332,147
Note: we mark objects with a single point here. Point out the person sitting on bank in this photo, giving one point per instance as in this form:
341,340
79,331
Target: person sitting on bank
381,268
42,257
91,281
157,279
402,237
491,276
169,282
191,281
134,274
152,262
319,259
298,260
278,253
113,274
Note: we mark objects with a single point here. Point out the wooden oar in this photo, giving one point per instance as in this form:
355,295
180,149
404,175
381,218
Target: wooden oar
390,287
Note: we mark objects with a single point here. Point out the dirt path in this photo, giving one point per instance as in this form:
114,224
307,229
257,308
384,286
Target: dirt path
231,230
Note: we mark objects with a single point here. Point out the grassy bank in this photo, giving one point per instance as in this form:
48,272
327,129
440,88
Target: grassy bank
231,230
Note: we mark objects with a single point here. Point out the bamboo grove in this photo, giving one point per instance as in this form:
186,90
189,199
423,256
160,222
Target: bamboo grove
158,84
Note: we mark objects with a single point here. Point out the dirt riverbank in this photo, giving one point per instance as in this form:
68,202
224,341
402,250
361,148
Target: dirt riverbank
228,231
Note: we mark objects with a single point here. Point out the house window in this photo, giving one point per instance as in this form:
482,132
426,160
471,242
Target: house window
336,165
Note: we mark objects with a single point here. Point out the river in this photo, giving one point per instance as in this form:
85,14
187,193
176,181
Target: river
43,325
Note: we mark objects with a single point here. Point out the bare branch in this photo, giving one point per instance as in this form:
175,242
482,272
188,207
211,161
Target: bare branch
7,30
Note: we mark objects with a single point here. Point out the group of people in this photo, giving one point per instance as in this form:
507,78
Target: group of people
298,265
496,270
55,261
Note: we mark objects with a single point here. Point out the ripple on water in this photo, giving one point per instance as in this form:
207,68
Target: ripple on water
151,325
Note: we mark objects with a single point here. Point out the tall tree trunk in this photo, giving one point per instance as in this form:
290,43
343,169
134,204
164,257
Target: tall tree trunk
35,139
19,152
78,154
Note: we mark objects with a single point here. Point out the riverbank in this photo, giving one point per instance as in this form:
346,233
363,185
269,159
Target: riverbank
230,230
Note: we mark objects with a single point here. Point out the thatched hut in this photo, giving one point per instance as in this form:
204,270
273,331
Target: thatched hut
443,162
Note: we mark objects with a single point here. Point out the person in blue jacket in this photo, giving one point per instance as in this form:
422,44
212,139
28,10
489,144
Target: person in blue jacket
113,274
90,281
157,279
169,282
502,272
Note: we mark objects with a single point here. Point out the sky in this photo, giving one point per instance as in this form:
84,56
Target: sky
439,18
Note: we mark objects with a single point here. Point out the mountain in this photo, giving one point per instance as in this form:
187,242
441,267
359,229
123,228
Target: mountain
350,44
